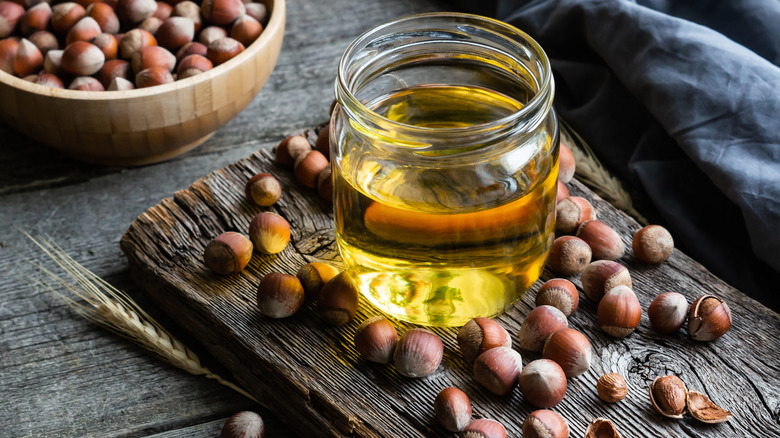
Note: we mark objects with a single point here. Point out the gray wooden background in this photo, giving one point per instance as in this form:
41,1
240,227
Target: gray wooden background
61,376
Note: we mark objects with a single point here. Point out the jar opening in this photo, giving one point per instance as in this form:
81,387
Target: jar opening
473,54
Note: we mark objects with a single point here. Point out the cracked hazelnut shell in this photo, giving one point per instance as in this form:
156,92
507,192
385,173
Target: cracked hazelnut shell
703,409
709,318
601,428
668,395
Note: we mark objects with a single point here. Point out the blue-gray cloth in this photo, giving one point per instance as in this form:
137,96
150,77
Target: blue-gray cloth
681,99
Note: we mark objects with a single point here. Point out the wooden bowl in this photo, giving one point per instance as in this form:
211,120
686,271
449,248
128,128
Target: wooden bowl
147,125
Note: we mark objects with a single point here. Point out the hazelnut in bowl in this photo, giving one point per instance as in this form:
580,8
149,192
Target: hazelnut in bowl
146,116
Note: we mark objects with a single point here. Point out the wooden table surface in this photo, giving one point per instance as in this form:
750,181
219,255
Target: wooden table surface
61,376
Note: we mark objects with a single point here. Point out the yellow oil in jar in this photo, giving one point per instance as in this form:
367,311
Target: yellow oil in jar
439,245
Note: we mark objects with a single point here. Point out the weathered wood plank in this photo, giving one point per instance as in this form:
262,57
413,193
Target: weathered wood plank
312,377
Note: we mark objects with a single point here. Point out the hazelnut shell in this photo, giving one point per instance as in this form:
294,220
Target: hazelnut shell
418,353
279,295
542,383
559,293
709,318
308,166
569,255
562,192
619,312
545,423
244,424
601,276
703,409
314,276
479,335
604,242
228,253
540,323
270,233
667,312
653,244
484,428
497,369
570,349
452,409
601,428
338,300
262,189
571,212
375,340
567,165
290,148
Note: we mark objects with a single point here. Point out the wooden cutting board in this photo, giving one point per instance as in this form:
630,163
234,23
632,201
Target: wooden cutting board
311,376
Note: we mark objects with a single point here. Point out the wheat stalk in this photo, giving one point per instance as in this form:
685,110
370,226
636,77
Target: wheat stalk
98,301
592,173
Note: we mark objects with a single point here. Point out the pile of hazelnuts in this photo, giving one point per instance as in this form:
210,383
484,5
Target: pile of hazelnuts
116,45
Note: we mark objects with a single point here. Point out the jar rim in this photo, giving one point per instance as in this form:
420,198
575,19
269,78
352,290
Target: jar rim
540,96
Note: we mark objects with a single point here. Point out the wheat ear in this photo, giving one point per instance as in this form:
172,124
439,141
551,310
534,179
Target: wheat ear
592,173
96,300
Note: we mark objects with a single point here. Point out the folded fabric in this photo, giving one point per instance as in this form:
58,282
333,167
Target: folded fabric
682,101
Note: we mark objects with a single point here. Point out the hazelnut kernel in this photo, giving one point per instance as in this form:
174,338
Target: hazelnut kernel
262,189
653,244
668,396
279,295
452,409
569,255
612,387
269,232
418,353
228,253
376,339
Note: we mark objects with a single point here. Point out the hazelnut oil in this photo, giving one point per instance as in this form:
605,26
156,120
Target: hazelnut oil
454,232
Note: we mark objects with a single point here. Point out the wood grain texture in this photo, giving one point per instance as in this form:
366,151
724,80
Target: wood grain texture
145,125
313,378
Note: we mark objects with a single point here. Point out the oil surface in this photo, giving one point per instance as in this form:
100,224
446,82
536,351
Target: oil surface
441,244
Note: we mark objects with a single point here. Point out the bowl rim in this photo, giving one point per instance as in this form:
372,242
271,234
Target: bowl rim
275,25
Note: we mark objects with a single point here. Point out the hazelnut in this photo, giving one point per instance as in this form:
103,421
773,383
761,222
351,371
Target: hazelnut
133,41
418,353
559,293
262,189
86,29
540,323
619,312
545,423
244,424
10,14
86,83
279,295
105,17
601,276
668,396
668,312
709,318
153,76
191,49
228,253
189,10
151,25
562,192
135,11
308,166
484,428
120,84
338,300
246,30
163,11
497,369
569,255
8,49
188,73
45,41
28,59
604,242
49,80
107,44
65,15
195,62
258,11
175,32
653,244
222,12
223,50
30,78
452,409
269,232
480,335
36,18
570,349
325,184
566,164
210,34
153,56
52,61
612,387
542,383
571,213
323,141
314,276
375,339
601,428
114,68
703,409
289,149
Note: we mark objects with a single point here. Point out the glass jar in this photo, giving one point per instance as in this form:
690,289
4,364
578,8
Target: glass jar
445,161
